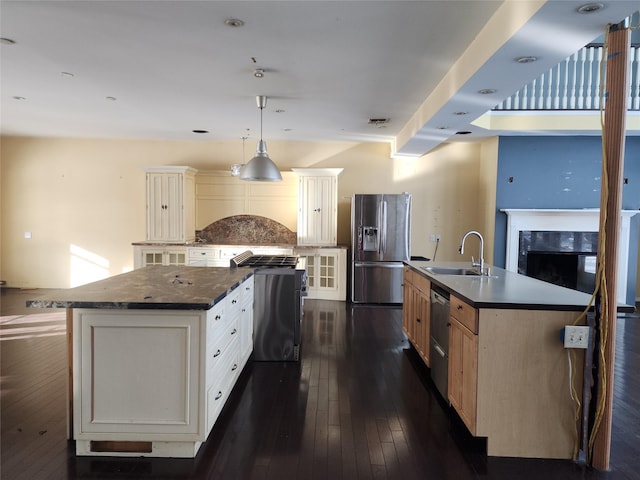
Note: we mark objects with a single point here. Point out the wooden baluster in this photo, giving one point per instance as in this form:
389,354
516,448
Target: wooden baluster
590,93
574,81
556,97
540,94
582,64
565,91
596,98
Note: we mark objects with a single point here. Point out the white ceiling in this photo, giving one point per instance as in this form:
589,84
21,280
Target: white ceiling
174,66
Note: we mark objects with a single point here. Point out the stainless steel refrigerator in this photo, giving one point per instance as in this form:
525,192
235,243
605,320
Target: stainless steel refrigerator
380,226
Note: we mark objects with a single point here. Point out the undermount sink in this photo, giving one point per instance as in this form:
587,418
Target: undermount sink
451,271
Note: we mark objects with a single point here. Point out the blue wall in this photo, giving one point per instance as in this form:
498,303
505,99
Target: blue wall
561,172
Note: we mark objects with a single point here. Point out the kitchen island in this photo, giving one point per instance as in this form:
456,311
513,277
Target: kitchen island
153,356
508,372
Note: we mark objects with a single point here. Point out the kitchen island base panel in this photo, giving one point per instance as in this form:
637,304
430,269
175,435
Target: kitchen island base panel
524,405
106,448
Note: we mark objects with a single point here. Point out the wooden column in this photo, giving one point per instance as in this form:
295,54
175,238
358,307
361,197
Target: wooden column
613,138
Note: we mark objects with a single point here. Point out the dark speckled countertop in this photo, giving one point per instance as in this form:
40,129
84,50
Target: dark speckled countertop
504,289
153,287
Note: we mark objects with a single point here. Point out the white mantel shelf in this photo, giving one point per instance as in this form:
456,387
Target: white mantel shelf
566,220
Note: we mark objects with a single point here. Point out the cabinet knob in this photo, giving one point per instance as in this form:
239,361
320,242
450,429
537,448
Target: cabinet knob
418,320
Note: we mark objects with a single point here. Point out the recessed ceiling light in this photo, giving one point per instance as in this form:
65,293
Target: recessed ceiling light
442,128
287,129
67,74
258,73
17,97
590,7
460,113
111,99
200,131
280,110
487,91
7,41
526,59
233,22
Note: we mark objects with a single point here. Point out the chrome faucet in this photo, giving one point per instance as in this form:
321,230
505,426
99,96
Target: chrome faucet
479,264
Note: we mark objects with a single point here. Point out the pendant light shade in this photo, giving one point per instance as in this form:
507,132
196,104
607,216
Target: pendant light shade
261,168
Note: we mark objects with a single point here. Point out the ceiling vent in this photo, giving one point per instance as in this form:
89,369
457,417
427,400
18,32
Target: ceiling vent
379,121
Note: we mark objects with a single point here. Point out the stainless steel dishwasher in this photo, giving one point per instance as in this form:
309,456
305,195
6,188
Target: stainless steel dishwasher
439,348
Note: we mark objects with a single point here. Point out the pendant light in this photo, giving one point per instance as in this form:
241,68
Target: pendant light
261,167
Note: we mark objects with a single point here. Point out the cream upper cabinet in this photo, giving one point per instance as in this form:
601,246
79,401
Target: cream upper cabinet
170,204
317,206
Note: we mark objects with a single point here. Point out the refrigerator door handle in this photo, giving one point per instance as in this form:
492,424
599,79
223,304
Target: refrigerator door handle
382,222
380,264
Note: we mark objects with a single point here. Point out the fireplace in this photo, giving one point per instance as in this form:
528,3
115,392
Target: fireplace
560,246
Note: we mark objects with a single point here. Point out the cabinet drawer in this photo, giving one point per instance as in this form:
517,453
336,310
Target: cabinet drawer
222,383
422,283
464,313
220,348
246,291
203,252
408,275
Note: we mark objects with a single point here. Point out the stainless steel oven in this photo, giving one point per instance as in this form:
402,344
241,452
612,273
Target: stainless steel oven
280,284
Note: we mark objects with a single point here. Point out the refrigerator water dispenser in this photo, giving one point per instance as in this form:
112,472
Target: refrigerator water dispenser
369,239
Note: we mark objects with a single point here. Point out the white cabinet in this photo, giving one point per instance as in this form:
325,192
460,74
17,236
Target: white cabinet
153,382
170,204
326,272
317,206
245,321
204,256
159,255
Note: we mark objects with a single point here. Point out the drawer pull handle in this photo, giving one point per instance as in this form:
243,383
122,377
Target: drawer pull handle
459,307
218,317
418,320
217,354
233,332
440,351
234,301
235,367
218,396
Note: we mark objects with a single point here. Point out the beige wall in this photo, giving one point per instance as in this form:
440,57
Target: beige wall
84,200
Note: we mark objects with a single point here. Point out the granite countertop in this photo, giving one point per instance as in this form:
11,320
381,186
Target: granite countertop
153,287
209,244
508,290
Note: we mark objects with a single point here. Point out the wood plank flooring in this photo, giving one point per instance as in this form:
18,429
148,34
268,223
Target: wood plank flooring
359,405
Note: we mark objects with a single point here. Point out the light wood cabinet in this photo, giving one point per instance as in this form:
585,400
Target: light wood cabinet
508,377
416,314
463,362
170,204
153,382
317,206
326,272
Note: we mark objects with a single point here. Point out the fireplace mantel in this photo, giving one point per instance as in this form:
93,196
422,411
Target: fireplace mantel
560,220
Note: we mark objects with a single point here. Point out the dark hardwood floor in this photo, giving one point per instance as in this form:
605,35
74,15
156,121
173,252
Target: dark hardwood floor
359,405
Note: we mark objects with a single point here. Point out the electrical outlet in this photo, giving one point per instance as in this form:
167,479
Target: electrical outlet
432,238
576,336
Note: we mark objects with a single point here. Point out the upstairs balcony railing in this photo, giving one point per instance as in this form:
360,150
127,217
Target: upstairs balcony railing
574,84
